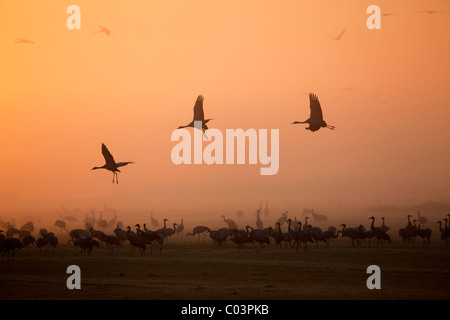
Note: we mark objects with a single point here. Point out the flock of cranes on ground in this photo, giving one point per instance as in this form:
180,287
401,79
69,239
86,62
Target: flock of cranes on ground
298,234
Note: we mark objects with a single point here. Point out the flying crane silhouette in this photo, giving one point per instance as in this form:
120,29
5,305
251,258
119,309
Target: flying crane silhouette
430,11
199,115
387,14
21,40
315,120
110,164
339,36
104,30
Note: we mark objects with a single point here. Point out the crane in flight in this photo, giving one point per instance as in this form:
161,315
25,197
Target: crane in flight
111,164
199,115
339,36
387,14
21,40
315,120
104,30
430,11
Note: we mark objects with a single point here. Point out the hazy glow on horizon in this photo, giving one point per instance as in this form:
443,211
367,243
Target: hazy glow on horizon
386,91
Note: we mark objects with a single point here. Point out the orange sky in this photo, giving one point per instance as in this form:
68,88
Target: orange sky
386,91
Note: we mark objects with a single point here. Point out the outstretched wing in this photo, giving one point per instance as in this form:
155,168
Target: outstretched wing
121,164
108,156
342,33
198,109
21,40
316,110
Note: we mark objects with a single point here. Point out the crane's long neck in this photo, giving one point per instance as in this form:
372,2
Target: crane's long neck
372,224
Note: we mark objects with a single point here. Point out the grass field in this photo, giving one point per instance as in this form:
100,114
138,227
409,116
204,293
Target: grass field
194,270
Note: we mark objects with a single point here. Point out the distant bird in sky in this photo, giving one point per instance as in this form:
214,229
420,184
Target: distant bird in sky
430,11
387,14
111,165
104,30
199,115
315,120
21,40
339,36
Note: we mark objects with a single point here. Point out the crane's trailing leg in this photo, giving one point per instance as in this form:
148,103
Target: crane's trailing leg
115,177
204,133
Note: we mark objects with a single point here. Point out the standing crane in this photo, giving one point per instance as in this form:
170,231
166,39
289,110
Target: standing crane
421,219
153,221
102,223
112,222
61,224
231,224
180,228
266,209
259,223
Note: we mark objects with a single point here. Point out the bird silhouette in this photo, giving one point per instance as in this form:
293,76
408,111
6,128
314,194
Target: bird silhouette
339,36
21,40
430,11
110,164
315,120
387,14
199,115
104,30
